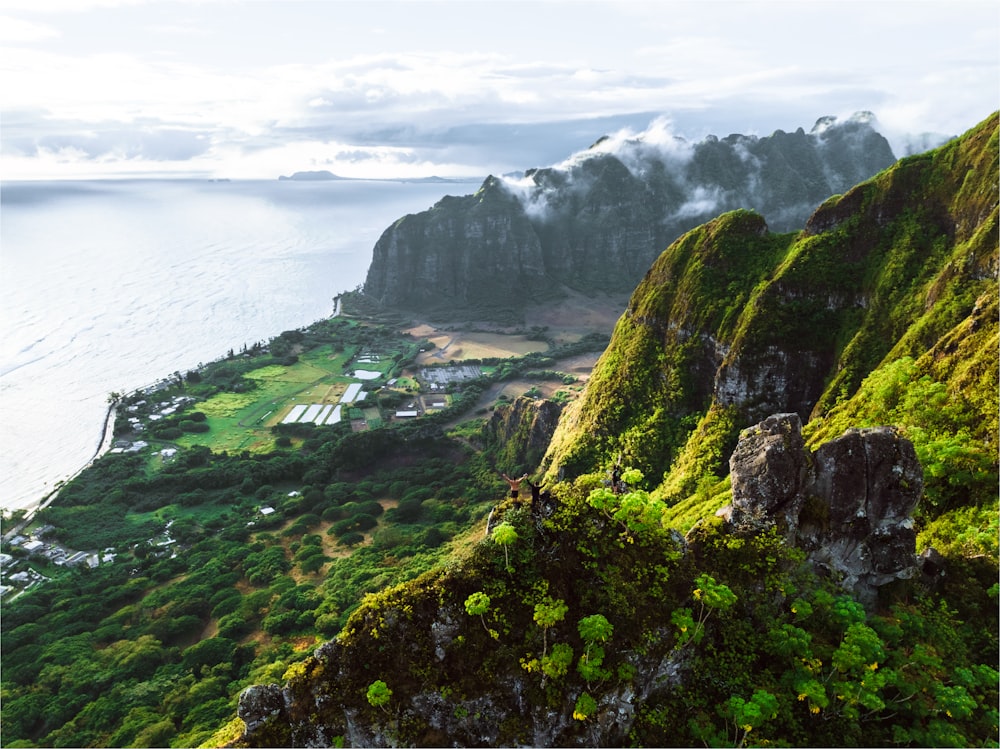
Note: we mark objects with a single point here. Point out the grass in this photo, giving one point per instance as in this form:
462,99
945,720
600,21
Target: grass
242,421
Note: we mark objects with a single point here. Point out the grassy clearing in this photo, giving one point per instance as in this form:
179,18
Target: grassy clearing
242,421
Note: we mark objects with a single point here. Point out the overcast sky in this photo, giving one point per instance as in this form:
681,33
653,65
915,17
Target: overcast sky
224,88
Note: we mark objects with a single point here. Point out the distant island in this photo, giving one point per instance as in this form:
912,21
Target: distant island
314,176
324,175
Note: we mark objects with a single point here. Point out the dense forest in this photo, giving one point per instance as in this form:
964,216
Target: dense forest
205,595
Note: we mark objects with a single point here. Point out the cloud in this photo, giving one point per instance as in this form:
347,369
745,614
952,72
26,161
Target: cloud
19,31
478,89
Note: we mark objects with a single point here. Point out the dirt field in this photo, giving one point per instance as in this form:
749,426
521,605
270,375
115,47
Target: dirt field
567,321
459,345
578,315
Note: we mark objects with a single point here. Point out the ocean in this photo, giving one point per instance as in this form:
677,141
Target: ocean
111,285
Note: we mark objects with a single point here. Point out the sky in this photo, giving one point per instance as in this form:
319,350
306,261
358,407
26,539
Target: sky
407,89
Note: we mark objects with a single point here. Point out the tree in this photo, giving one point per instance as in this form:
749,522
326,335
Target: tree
711,596
548,613
595,628
477,604
505,535
312,563
557,664
748,714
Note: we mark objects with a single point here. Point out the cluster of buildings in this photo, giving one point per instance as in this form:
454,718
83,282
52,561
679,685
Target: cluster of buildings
18,575
437,379
154,412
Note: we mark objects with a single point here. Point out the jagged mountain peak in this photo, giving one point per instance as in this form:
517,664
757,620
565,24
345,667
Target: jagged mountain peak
615,205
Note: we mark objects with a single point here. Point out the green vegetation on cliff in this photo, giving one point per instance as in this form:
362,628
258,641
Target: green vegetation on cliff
733,323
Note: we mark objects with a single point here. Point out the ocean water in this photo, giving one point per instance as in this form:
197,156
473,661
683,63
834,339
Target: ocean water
112,285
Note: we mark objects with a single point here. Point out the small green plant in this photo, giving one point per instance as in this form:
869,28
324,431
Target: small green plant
712,596
477,604
379,694
593,629
748,714
635,510
585,706
548,613
557,664
590,665
504,535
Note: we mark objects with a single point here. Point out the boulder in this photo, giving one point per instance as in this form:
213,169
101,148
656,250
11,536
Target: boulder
769,469
260,704
848,505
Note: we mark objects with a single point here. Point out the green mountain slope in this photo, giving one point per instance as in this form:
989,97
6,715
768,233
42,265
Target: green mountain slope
588,619
733,323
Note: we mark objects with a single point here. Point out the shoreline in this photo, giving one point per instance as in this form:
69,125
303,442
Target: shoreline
103,445
107,437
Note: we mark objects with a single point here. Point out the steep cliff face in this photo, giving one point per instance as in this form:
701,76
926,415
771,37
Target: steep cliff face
518,433
732,322
598,221
479,250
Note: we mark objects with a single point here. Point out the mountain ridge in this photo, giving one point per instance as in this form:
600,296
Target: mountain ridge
598,220
823,331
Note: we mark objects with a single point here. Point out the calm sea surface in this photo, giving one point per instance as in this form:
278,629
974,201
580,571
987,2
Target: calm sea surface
112,285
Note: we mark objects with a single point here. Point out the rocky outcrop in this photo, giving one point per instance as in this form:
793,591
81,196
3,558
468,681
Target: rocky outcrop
263,708
598,221
518,433
848,504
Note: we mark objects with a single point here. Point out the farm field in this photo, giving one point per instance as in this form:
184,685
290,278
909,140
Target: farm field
459,345
242,421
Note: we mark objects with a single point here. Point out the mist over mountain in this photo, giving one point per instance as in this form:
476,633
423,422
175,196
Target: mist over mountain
599,219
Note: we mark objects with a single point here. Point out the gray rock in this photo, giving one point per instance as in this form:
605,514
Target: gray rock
260,703
769,469
848,505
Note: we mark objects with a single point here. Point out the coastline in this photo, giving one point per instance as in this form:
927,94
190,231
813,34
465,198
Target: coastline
103,445
107,439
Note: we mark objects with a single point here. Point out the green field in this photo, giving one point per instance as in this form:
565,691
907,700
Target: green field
243,421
